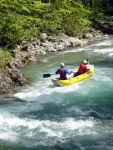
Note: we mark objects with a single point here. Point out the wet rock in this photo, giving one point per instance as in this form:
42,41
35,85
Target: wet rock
9,78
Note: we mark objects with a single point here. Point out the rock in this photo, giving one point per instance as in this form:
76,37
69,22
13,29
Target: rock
60,47
43,36
9,78
88,36
24,48
74,41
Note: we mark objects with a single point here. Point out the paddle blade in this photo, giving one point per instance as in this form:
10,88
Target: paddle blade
46,75
87,61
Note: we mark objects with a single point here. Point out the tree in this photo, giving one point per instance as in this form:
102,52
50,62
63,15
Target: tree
46,1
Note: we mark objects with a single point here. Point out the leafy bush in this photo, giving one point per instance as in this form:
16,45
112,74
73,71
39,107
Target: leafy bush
24,19
5,57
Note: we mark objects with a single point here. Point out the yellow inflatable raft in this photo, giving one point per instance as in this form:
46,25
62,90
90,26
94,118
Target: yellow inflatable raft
73,80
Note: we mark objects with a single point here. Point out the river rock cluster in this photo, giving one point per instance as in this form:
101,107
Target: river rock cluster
50,43
26,52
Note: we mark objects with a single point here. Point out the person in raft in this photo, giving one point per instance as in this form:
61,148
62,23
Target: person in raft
62,71
82,69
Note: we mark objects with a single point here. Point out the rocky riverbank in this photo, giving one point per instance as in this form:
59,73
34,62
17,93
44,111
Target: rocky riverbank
26,52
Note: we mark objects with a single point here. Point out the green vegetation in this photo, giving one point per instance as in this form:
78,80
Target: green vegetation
5,57
24,19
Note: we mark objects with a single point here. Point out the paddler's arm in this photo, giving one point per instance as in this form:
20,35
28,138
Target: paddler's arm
88,71
57,72
67,71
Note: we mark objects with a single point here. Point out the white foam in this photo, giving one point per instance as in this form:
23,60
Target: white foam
104,51
12,124
111,54
9,137
44,60
59,129
105,78
103,43
35,91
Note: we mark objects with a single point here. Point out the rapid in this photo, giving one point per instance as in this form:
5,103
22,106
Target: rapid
75,117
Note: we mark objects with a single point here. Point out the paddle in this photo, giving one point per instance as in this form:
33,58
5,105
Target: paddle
88,63
47,75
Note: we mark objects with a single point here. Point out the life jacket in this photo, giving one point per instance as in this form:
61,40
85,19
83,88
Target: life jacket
62,73
82,69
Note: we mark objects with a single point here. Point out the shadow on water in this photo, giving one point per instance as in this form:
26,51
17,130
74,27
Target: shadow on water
86,143
80,144
8,99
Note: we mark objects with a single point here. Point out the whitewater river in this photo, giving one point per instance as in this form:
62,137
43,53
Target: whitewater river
76,117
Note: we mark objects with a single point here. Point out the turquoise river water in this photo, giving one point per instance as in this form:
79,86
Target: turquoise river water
76,117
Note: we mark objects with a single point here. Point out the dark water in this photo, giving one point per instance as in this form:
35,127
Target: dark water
76,117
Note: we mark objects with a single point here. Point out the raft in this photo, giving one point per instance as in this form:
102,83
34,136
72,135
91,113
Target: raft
73,80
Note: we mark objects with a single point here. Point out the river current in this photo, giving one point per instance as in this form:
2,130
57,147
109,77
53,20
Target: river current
75,117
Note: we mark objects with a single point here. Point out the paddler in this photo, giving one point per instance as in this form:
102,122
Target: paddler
82,69
62,71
